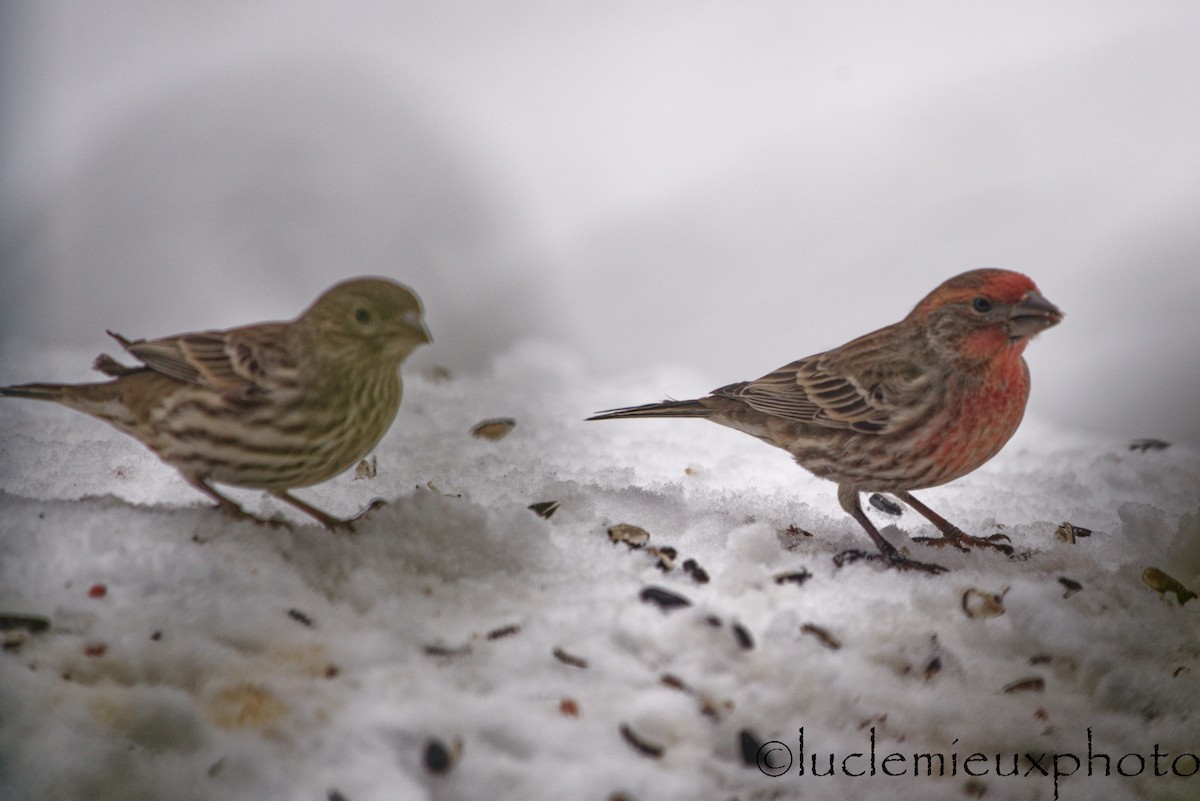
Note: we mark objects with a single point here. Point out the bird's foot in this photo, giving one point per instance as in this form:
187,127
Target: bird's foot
346,525
964,542
892,558
235,512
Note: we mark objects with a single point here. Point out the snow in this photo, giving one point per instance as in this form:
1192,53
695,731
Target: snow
233,660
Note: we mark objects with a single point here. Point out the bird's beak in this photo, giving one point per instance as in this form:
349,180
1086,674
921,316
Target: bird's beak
1032,315
425,338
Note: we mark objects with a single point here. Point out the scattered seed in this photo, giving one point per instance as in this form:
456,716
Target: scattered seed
1148,444
569,707
641,746
503,631
852,555
334,795
495,428
822,634
1159,581
975,788
300,617
1071,585
13,640
438,758
366,468
569,659
633,536
1179,671
796,577
713,621
1041,659
792,536
665,599
742,635
979,604
31,623
156,636
673,681
1041,714
544,509
693,569
215,769
97,591
1033,684
885,505
932,668
437,374
1068,533
332,671
749,745
447,650
664,557
95,650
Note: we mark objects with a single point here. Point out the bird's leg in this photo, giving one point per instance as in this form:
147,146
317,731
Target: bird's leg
329,521
228,507
952,534
887,552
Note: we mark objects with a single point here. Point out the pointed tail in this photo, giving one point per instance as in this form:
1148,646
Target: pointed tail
47,392
687,408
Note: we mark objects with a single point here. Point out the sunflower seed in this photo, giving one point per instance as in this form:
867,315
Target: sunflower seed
665,599
495,428
633,536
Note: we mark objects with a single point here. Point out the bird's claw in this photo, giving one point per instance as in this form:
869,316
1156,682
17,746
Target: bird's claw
890,559
347,525
964,542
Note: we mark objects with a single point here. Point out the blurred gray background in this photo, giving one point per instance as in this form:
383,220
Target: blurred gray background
723,186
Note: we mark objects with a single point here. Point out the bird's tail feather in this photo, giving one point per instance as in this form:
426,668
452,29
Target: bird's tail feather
670,408
47,392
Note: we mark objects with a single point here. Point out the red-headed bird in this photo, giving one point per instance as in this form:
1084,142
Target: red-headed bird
911,406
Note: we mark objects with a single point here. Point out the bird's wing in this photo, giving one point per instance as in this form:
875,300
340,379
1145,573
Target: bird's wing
823,391
245,362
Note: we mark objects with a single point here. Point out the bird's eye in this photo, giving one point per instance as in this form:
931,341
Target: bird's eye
981,305
362,315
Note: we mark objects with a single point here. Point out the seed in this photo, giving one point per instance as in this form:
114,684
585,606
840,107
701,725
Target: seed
649,749
979,604
446,650
633,536
495,428
693,569
503,631
885,504
1148,444
1033,684
438,759
742,635
822,634
1159,581
366,468
569,659
750,747
1067,533
797,577
300,617
665,599
1071,585
30,623
665,557
544,509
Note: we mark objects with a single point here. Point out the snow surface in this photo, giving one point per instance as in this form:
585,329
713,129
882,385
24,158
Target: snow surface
231,660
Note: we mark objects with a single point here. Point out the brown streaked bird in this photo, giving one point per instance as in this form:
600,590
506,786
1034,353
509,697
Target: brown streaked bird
914,405
271,406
